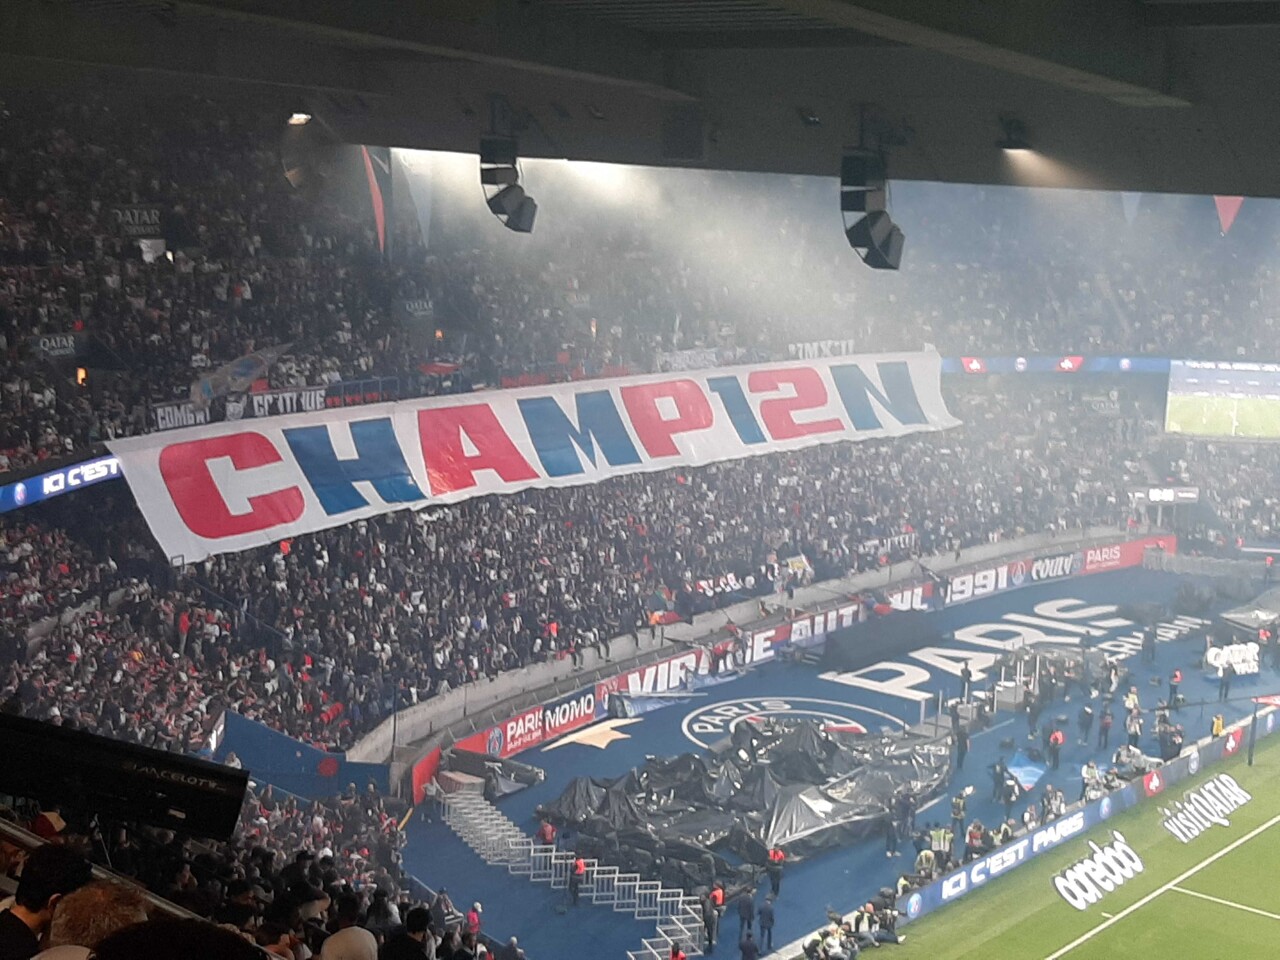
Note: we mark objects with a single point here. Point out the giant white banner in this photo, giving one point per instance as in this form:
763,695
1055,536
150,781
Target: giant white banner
224,487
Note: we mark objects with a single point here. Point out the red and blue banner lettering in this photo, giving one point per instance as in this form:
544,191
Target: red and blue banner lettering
220,488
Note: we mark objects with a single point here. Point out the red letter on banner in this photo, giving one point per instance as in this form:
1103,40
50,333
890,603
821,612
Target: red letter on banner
185,469
779,415
655,431
449,466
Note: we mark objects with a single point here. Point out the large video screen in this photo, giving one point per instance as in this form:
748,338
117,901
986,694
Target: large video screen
1224,398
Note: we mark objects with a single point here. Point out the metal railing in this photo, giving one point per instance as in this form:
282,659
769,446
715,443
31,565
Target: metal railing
677,916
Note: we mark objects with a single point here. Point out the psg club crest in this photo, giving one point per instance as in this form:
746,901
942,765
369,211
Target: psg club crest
914,903
494,746
1018,573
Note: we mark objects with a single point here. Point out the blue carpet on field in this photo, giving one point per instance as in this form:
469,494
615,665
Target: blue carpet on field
839,879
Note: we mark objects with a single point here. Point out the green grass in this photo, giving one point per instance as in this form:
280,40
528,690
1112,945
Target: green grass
1245,417
1020,916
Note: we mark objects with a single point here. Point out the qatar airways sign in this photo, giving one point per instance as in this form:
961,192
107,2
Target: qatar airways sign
220,488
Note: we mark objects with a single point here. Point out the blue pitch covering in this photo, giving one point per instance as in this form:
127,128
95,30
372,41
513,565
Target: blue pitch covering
843,878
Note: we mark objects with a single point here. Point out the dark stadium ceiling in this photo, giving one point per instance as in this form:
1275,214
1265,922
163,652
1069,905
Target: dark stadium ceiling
1161,95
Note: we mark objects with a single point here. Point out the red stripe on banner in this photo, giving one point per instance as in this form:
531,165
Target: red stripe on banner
375,196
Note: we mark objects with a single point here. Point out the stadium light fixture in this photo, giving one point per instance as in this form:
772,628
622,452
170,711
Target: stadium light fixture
500,178
872,233
1014,139
299,119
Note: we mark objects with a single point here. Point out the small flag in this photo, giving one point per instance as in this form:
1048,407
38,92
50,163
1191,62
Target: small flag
377,167
1228,208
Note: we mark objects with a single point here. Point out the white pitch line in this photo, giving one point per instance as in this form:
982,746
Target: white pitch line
1226,903
1002,723
1089,935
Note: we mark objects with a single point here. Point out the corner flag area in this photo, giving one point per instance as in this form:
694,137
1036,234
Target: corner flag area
1189,874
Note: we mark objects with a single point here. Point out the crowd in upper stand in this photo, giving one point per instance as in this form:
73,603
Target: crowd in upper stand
323,636
624,266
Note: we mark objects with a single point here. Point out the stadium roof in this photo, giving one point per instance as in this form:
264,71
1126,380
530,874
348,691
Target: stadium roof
1153,95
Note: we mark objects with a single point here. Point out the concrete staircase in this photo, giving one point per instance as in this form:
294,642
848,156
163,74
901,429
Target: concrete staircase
485,829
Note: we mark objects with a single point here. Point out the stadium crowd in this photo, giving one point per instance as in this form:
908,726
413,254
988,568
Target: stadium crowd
322,636
325,635
291,880
253,263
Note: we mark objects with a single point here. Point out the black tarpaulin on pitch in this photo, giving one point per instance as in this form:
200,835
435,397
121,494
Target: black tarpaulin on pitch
787,783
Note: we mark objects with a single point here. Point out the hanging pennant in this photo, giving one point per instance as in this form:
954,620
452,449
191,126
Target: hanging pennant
1228,207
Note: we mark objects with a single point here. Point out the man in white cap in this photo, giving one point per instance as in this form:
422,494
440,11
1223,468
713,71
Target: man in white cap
473,919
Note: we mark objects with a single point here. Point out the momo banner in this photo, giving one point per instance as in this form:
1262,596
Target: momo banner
225,487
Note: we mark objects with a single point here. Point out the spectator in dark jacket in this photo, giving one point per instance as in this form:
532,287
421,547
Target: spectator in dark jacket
411,943
766,922
746,910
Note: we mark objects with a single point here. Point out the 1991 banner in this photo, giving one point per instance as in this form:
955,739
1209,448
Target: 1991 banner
224,487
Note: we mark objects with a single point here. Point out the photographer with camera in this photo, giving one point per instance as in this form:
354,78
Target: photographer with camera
872,926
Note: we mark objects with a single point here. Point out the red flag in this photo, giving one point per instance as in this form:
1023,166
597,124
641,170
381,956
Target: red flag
377,169
1228,207
973,365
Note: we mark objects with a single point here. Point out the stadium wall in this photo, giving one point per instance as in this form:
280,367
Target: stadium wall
273,757
505,729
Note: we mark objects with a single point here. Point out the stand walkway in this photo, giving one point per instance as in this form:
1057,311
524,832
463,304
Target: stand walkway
499,842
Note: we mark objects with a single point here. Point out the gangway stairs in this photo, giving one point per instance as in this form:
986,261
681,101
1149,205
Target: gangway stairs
485,829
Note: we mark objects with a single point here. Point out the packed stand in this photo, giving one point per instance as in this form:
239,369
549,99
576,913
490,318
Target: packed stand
738,262
253,266
323,636
298,879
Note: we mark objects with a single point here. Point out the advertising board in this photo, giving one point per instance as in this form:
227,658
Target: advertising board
23,493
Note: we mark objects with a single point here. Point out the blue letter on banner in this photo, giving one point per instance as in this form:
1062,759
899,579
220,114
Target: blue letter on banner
378,461
856,390
735,404
558,441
